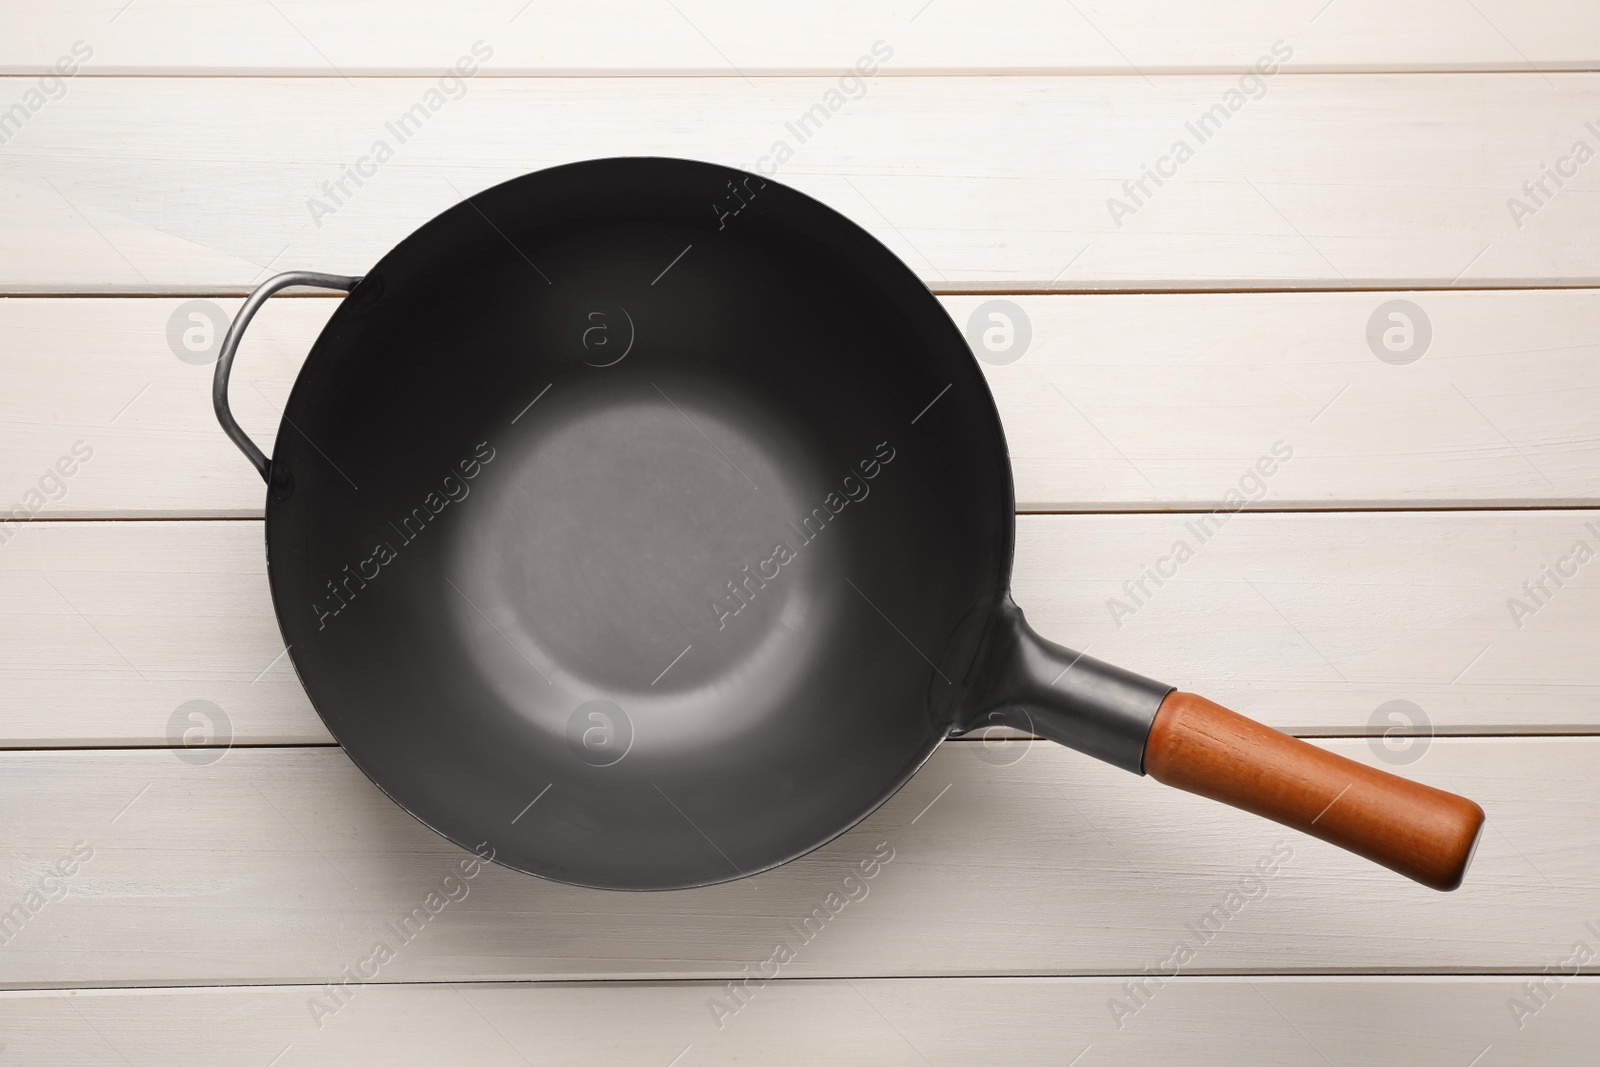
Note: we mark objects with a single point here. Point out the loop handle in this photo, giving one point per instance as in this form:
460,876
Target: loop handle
230,345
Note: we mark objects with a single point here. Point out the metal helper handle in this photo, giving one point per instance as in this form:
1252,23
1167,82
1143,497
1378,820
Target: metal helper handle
230,344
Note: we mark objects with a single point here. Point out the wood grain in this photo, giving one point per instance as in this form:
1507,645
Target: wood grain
286,865
1424,833
1324,181
725,38
283,865
1377,1020
1119,402
1311,623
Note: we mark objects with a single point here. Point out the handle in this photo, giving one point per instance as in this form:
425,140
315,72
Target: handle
1426,834
230,344
1017,678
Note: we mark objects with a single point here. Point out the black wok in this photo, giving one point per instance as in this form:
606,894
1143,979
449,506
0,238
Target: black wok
648,524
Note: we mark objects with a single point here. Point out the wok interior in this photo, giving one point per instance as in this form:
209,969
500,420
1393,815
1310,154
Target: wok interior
649,566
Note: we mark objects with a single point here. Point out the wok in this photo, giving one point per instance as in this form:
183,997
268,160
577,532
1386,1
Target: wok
646,524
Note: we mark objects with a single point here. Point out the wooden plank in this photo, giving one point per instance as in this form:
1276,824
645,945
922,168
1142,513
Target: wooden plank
1316,622
286,866
1364,181
1167,401
111,629
726,38
1117,402
105,372
1381,1021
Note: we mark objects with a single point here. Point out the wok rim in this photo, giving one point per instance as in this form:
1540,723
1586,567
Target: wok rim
984,410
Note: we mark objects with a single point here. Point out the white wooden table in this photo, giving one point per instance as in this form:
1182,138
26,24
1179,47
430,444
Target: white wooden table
199,882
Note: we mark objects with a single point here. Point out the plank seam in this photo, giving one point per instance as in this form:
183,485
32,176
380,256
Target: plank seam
1157,508
1534,285
1557,733
1213,977
425,73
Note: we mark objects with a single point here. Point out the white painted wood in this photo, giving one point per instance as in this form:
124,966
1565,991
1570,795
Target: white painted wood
104,372
1310,622
108,631
1162,401
1377,181
1119,402
283,865
1314,622
1208,1022
286,865
724,38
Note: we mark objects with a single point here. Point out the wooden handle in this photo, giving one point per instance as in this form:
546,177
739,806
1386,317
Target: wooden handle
1423,833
